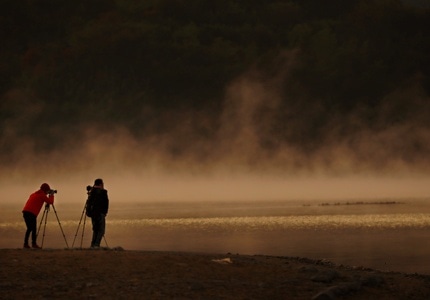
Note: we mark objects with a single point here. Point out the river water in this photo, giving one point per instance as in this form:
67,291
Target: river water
384,234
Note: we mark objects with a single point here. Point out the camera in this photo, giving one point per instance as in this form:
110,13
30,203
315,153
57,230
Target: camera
89,188
51,192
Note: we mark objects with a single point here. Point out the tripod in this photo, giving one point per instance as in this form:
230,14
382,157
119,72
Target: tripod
84,216
45,217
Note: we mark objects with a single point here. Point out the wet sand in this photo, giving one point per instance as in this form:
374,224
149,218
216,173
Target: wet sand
121,274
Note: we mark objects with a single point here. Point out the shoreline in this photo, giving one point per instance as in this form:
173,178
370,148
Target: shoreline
115,273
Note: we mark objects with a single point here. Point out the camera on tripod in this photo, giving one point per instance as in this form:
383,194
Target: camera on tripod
52,192
89,188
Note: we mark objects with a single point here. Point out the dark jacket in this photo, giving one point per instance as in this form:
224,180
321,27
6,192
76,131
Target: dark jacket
98,202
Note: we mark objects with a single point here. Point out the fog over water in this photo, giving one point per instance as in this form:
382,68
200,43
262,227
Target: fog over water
244,160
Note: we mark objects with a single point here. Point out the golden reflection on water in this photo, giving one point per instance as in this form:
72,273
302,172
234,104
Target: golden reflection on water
320,222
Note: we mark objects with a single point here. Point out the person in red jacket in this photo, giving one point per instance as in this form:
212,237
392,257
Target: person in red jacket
31,211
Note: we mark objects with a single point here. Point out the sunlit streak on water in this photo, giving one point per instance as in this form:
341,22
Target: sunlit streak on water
270,223
322,222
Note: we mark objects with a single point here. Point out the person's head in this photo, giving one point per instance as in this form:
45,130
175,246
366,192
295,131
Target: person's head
45,188
98,182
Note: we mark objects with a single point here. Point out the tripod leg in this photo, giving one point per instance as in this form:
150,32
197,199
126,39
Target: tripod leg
40,224
79,225
105,241
59,223
44,226
83,230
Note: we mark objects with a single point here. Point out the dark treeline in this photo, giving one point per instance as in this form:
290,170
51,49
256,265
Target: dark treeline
143,64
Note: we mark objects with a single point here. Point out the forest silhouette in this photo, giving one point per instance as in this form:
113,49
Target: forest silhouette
262,77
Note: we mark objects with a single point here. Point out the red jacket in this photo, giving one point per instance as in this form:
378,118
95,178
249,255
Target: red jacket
36,200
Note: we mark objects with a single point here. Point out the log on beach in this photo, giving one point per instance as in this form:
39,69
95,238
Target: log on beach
119,274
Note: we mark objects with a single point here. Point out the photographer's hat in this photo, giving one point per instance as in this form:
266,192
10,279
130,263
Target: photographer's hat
98,181
45,187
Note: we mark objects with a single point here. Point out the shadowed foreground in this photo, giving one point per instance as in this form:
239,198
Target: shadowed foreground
119,274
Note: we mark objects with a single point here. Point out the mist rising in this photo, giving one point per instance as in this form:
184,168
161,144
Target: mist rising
303,101
245,159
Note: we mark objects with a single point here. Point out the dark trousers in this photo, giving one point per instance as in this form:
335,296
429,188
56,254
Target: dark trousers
30,222
99,226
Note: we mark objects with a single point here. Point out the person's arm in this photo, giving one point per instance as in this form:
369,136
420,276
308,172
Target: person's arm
50,199
106,206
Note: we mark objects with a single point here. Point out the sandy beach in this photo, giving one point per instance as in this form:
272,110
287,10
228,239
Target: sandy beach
120,274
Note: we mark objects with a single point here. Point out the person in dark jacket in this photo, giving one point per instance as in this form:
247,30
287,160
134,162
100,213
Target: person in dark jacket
97,208
31,211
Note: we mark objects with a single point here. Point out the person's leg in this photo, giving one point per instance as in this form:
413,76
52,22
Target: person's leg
94,221
101,230
27,232
34,231
30,222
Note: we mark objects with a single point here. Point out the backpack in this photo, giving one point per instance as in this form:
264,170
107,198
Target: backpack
89,208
